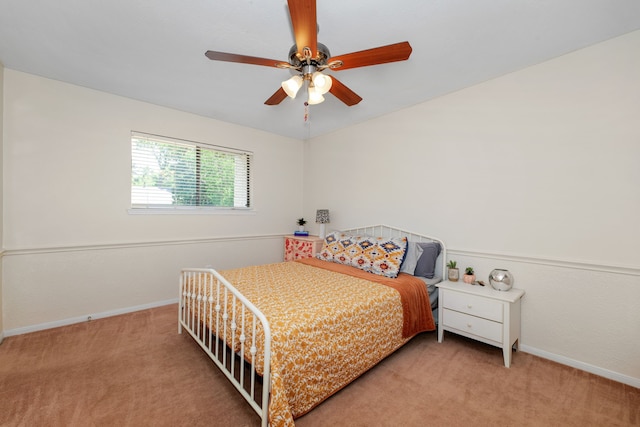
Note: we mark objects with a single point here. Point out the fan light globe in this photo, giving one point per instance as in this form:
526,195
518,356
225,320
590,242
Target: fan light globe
315,97
321,82
292,86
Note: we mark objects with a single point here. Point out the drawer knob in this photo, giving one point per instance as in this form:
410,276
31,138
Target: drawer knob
469,306
469,325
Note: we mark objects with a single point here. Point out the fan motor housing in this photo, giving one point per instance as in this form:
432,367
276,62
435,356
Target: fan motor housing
321,59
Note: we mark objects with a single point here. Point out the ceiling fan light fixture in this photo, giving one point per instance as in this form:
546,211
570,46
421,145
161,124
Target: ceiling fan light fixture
321,82
292,86
315,97
307,57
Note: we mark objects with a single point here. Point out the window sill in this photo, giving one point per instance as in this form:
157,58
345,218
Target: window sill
190,211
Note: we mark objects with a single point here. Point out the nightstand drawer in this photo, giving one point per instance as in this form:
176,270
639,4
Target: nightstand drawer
473,325
475,305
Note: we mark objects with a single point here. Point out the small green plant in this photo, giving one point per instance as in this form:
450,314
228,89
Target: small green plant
452,264
469,271
301,221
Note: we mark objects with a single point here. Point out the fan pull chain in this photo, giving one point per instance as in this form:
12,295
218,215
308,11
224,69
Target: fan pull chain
307,122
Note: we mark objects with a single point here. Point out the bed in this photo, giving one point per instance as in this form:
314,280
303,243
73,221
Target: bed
288,335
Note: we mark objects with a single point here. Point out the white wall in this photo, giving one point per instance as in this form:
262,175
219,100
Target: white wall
536,171
72,249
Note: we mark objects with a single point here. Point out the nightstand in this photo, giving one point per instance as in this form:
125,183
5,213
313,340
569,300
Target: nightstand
297,247
481,313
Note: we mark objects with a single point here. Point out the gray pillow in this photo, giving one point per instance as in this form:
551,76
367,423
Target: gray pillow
426,266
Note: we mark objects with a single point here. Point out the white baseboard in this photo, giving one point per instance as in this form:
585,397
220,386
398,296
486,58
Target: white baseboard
615,376
80,319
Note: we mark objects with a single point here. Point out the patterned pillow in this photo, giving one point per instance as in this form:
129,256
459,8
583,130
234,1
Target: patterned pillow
363,256
377,255
326,253
338,247
388,256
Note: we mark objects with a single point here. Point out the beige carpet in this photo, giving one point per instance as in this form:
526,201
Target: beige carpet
135,370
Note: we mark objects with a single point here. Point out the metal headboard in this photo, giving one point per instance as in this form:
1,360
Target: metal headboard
388,231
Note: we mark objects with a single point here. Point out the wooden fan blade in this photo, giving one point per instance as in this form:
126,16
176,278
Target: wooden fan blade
343,93
377,55
305,27
276,98
242,59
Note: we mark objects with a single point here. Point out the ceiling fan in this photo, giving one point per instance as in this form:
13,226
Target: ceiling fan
308,59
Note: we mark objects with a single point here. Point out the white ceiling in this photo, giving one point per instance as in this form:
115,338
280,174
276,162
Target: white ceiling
153,50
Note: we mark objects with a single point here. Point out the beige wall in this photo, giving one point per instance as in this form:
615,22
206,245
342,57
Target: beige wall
72,248
1,197
536,171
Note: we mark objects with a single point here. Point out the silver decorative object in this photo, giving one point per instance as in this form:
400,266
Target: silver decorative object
501,280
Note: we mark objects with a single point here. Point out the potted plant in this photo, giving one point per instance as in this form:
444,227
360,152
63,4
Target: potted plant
454,273
301,223
469,275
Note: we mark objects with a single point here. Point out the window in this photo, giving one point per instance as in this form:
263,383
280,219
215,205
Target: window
177,174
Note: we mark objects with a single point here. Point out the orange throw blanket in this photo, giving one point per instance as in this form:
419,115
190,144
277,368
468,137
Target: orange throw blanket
416,308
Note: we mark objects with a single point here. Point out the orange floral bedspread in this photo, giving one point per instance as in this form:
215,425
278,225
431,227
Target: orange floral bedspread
327,329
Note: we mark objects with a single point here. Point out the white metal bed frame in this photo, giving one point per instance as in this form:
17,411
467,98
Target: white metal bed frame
197,283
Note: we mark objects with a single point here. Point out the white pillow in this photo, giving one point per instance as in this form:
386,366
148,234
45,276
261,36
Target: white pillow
411,258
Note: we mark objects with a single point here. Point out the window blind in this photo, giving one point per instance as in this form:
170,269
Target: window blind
173,173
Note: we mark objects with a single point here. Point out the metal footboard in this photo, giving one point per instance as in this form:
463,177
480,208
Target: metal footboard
226,325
